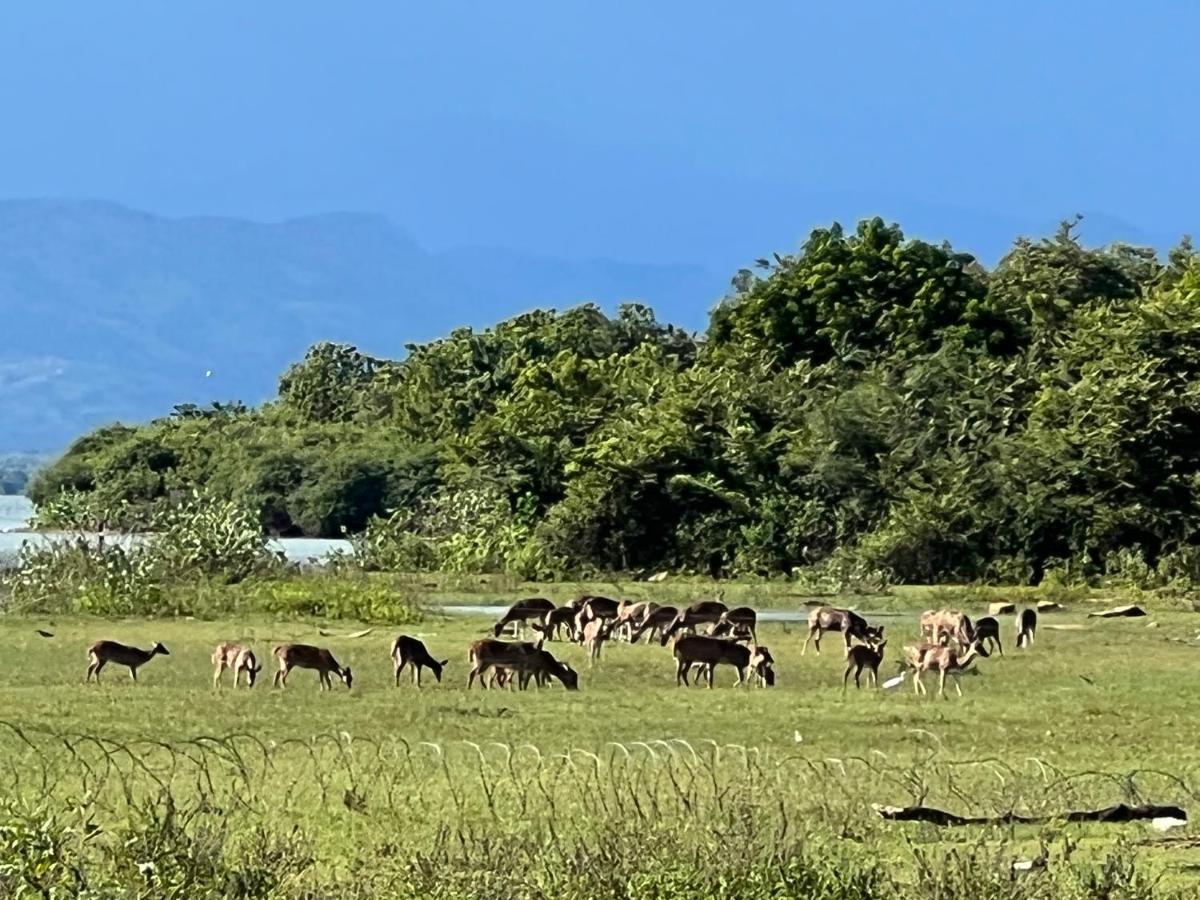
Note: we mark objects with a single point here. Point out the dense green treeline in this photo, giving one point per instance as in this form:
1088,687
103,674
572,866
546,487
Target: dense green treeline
869,404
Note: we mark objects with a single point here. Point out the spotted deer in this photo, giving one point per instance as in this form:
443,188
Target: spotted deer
102,653
945,661
528,610
703,612
737,622
306,656
847,622
863,656
709,652
408,651
237,657
941,625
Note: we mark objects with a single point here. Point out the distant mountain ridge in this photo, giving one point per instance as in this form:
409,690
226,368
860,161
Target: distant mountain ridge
109,313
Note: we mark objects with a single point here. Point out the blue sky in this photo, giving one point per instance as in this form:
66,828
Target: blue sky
696,132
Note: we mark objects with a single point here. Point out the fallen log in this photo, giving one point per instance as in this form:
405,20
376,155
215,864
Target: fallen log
1118,612
1119,813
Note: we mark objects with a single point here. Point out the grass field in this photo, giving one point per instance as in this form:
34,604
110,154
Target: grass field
545,785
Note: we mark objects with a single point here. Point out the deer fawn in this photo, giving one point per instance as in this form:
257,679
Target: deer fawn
408,651
863,656
237,657
305,656
849,623
1026,627
102,653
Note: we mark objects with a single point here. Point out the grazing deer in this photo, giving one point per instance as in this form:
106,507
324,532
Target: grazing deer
708,652
987,631
632,615
487,654
656,621
762,664
594,608
238,657
102,653
595,633
521,612
555,619
704,612
306,656
1026,627
863,656
541,666
739,620
408,651
941,625
946,660
849,623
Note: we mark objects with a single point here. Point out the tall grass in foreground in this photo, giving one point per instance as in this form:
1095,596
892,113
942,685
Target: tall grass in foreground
336,816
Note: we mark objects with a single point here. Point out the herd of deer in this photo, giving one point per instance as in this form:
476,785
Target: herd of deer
950,643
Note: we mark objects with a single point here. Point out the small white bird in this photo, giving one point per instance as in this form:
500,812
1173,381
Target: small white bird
799,737
894,682
1166,823
208,373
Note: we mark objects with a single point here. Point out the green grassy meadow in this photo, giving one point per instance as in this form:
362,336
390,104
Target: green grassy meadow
441,780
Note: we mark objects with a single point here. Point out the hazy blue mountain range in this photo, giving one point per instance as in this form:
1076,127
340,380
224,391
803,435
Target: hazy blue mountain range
108,313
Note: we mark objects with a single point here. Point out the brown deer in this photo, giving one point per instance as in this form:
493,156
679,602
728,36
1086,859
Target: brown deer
946,660
863,656
486,655
987,631
708,653
556,619
656,621
237,657
847,622
595,633
521,612
102,653
592,607
1026,627
942,625
703,612
762,664
523,659
408,651
741,620
306,656
541,666
631,616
